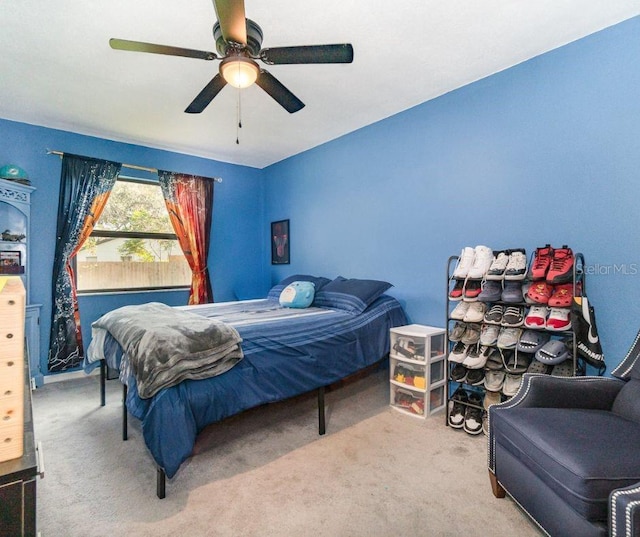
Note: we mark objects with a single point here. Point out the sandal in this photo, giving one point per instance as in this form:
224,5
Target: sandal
564,369
538,367
539,292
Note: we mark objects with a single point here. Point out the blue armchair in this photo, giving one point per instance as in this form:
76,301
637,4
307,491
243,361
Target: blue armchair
567,450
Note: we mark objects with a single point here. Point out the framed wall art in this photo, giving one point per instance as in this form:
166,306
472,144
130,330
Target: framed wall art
280,240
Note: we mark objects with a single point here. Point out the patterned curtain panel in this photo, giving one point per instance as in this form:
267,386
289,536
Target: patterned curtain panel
85,185
189,200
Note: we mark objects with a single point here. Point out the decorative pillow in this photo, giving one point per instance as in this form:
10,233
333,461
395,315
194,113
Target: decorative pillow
319,281
297,295
350,295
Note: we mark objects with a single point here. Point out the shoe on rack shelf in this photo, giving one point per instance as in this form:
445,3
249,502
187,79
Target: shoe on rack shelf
508,337
481,262
493,380
457,331
457,290
491,291
553,352
559,319
475,313
494,315
513,316
472,288
473,420
457,408
562,295
536,317
517,265
465,262
531,341
471,334
489,334
458,353
460,310
511,384
498,266
541,262
512,292
561,269
475,377
458,373
540,292
476,358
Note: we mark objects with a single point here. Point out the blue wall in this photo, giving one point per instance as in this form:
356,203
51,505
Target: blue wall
548,151
545,152
235,258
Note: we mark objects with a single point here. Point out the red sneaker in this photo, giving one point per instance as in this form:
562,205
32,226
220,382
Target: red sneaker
561,269
456,292
541,262
540,292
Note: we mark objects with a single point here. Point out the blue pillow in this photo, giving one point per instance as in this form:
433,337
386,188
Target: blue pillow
318,281
297,295
350,295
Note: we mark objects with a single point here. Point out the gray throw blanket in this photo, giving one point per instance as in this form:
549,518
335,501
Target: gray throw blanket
165,346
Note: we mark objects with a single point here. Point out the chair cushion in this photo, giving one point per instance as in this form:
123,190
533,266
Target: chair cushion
581,454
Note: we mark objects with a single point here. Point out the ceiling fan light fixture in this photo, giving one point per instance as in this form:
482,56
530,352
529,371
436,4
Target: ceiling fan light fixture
239,71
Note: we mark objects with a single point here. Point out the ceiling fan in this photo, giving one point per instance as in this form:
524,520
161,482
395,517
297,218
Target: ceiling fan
238,42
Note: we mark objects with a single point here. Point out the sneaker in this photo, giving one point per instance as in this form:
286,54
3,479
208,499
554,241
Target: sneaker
458,373
518,362
489,334
491,291
472,289
473,420
508,337
465,262
481,262
476,358
561,269
517,265
541,262
537,317
493,380
511,384
457,408
456,292
559,319
460,311
457,331
494,360
471,334
494,315
475,377
562,295
491,398
475,313
458,353
513,316
512,291
498,266
540,292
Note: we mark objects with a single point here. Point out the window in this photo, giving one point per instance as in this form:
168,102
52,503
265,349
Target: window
133,246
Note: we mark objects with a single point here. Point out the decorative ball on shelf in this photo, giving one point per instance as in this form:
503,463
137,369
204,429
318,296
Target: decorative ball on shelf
15,173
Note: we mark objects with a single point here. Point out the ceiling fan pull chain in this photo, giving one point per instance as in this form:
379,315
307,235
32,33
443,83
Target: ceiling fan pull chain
239,118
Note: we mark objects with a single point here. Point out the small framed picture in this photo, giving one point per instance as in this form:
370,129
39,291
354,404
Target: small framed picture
280,240
10,262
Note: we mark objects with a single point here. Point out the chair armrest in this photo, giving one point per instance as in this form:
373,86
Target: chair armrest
624,511
536,390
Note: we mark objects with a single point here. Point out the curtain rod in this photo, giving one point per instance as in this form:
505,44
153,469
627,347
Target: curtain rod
130,166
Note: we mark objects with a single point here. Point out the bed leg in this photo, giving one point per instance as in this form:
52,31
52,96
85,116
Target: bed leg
161,482
321,417
125,433
103,375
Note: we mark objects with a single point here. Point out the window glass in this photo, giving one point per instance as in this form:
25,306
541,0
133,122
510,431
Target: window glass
133,245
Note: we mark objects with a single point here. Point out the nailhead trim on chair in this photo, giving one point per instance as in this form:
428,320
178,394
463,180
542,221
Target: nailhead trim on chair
627,516
634,349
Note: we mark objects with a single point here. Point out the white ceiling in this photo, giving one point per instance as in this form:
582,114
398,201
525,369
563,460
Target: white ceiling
57,69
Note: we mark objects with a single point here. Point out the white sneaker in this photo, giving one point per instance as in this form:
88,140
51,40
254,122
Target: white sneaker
481,263
475,313
559,319
498,266
489,334
537,317
460,311
516,267
465,262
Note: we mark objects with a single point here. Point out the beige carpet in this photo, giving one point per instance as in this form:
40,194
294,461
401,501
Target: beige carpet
267,472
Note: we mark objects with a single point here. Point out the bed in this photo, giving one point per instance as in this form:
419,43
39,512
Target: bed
286,352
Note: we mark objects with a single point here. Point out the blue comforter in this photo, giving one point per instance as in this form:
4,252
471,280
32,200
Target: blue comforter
287,352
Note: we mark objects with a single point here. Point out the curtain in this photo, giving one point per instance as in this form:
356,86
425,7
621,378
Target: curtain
189,200
85,185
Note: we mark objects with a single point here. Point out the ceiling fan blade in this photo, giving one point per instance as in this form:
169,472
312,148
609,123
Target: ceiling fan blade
139,46
308,54
282,95
232,19
206,95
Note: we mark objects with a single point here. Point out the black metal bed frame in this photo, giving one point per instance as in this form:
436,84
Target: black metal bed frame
161,476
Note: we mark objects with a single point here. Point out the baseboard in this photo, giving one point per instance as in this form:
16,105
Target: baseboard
58,377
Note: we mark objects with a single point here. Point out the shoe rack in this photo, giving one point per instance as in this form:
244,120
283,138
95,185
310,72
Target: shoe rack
474,393
417,370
